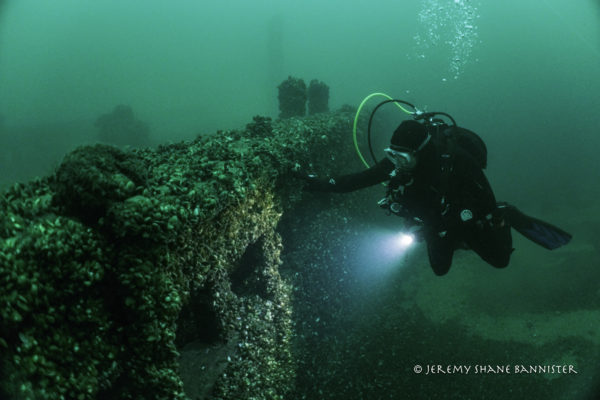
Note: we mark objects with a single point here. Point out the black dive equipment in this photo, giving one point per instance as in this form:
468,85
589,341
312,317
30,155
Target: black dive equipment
429,119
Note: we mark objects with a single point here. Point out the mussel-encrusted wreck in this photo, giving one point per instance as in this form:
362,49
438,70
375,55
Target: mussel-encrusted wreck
134,274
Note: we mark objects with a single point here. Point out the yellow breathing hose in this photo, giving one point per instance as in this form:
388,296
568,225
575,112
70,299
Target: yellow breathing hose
356,121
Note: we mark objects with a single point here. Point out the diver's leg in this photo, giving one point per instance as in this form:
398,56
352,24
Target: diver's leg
440,251
492,244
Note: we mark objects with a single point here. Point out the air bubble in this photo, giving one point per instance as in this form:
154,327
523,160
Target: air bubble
452,28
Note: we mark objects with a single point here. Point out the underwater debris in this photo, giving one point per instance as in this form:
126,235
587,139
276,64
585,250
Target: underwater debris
91,178
121,128
318,97
101,262
292,98
260,127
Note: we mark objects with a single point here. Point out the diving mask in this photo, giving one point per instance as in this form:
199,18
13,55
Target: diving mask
404,161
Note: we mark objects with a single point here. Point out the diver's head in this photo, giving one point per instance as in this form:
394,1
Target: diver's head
408,139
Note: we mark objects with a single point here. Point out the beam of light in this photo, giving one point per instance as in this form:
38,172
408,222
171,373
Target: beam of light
381,252
405,239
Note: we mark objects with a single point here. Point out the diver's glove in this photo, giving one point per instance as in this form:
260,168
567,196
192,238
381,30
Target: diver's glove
313,183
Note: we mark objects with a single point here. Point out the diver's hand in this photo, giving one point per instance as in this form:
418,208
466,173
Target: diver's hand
315,184
312,182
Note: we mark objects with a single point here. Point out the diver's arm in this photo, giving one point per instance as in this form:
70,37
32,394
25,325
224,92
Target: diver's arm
378,173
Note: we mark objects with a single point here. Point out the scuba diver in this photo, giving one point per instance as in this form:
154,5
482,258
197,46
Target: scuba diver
435,181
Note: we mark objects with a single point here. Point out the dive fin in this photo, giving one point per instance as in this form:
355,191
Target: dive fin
536,230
